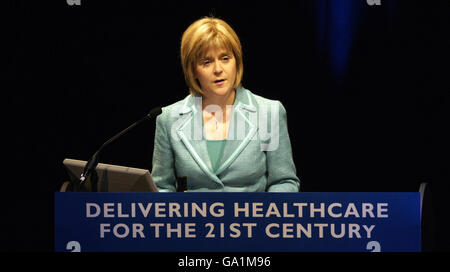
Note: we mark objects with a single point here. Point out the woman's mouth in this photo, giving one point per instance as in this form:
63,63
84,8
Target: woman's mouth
219,82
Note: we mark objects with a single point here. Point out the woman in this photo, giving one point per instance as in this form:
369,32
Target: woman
221,137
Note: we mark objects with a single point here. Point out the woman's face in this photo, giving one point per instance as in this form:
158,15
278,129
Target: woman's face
216,72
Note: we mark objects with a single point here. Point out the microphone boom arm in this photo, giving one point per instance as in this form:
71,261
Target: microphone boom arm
93,161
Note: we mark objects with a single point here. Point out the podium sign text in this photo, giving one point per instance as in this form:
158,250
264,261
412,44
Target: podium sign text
244,222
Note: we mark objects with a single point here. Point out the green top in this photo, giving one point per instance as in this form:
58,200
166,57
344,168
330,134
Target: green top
215,151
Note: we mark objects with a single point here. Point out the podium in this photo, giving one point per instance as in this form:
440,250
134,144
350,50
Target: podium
237,222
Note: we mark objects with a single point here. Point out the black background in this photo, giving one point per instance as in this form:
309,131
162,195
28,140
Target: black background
76,75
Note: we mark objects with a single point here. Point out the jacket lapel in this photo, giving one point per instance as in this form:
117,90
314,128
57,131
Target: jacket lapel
190,131
242,129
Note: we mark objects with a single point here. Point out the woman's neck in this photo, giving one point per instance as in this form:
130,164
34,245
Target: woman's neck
221,101
216,125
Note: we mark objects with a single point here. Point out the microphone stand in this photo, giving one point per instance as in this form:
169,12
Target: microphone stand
93,161
91,165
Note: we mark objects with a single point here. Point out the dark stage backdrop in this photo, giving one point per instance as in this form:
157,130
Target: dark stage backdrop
365,88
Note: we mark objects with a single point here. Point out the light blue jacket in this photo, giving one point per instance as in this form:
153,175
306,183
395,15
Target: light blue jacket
257,156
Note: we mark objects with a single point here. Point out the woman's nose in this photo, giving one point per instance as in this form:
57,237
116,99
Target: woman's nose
217,67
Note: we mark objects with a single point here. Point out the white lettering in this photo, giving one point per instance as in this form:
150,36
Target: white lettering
381,208
220,212
300,208
317,230
244,209
269,227
119,211
321,226
108,210
351,210
333,231
313,210
88,210
330,210
369,230
273,210
257,207
353,229
367,209
104,228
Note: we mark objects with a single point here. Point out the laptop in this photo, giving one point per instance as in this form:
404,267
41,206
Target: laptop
111,178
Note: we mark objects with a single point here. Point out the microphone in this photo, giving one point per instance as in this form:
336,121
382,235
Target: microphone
93,161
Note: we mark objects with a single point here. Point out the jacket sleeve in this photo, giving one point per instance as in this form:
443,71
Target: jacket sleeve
280,164
163,169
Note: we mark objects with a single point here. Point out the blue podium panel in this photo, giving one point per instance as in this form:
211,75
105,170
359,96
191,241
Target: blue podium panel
242,222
